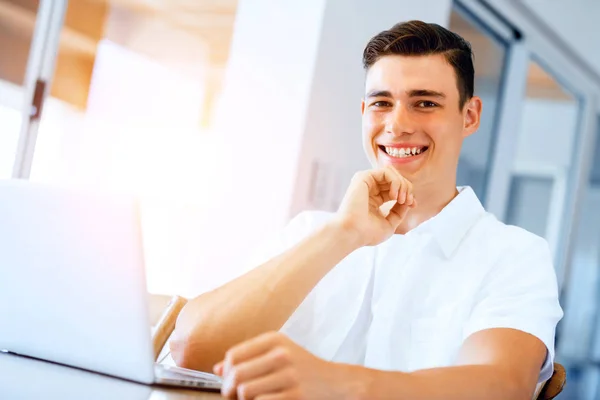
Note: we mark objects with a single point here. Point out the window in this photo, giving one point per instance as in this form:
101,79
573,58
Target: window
17,21
130,108
543,155
489,61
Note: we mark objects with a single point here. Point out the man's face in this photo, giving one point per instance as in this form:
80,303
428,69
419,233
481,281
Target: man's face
411,117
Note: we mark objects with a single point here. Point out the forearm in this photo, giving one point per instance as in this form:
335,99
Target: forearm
452,383
257,302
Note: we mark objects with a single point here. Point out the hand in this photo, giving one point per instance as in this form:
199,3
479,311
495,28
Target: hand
361,209
272,367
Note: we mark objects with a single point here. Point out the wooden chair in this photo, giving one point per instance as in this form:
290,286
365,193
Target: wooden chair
553,386
163,315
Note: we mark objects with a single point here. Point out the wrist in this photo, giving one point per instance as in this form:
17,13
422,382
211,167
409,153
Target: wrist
354,382
346,233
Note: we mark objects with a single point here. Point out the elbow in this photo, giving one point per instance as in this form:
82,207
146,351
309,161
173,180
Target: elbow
191,344
519,389
523,394
191,352
181,351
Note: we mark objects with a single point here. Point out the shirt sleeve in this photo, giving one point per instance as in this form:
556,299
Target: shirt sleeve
521,293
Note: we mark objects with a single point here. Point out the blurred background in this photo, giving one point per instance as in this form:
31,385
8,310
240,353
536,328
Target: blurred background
228,117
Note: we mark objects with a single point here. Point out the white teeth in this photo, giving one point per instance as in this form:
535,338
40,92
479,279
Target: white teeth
402,152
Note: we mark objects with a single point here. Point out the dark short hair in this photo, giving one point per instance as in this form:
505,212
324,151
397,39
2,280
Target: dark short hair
417,38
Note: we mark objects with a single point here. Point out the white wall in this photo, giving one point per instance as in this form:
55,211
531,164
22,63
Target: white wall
293,85
576,22
332,150
291,95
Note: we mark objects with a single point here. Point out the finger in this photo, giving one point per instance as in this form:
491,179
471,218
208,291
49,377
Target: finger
366,178
254,368
273,383
397,214
410,196
218,368
385,193
287,394
385,197
386,181
250,349
403,192
410,199
397,186
405,189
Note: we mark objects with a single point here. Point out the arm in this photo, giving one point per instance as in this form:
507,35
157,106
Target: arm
498,359
257,302
493,364
263,299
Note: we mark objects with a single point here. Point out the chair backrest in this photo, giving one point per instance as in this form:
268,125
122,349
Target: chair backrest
554,385
163,315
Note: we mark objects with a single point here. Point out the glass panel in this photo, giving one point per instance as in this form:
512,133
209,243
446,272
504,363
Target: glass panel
130,108
578,344
544,151
490,54
531,193
17,22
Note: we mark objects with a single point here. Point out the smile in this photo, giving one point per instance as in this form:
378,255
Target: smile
403,152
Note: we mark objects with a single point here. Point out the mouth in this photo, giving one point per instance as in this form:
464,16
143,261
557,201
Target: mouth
403,152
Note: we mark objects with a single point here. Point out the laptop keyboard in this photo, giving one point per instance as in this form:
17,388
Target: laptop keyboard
171,375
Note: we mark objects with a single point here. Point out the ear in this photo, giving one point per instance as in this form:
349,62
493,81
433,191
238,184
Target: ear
472,116
362,106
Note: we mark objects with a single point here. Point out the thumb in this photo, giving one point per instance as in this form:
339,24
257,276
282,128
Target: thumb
397,214
218,368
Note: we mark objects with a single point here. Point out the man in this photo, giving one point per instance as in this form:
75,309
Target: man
411,290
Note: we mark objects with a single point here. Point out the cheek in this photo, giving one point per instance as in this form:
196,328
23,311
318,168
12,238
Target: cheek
447,142
369,133
446,132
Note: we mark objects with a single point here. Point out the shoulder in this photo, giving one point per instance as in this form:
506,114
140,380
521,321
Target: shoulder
506,238
514,250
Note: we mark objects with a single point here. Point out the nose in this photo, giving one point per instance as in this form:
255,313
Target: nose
399,122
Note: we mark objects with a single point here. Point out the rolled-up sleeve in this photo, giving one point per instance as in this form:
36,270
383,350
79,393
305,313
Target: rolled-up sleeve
521,293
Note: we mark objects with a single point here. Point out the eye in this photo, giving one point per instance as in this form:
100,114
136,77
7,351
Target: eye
426,104
381,103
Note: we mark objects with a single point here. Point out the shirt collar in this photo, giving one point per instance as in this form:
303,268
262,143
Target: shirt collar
451,225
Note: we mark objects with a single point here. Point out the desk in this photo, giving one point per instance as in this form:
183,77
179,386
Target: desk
25,378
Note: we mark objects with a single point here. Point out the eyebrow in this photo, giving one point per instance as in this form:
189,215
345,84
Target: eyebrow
379,93
410,93
425,93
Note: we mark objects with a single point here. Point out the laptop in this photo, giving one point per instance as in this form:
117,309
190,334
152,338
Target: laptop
73,285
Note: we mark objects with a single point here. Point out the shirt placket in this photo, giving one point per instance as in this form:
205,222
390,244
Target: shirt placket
395,269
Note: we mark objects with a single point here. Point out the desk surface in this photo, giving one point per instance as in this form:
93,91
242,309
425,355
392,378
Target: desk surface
25,378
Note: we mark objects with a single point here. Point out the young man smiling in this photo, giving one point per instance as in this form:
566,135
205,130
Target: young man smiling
411,290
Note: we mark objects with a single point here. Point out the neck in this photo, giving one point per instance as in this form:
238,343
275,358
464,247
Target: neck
431,199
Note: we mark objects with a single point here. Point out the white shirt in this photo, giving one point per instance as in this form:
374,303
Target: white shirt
410,302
